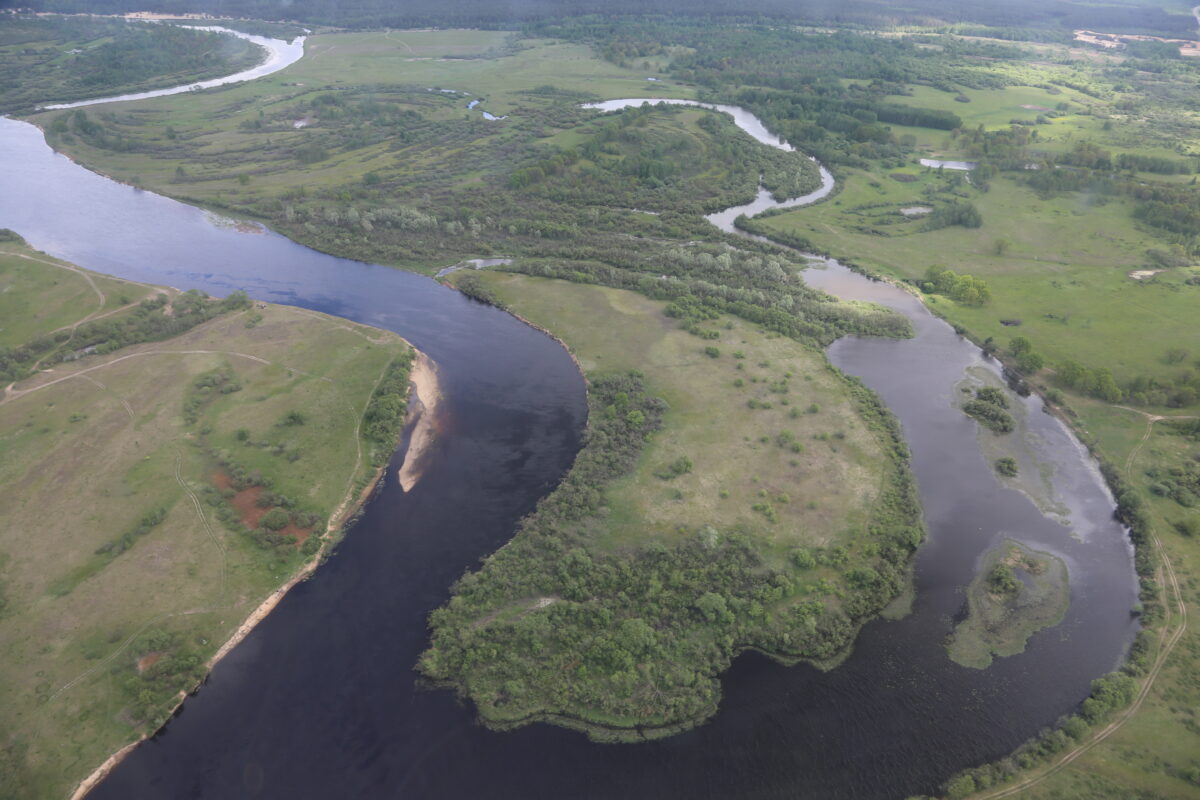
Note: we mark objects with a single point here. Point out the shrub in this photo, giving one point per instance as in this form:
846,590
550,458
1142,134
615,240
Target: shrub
275,520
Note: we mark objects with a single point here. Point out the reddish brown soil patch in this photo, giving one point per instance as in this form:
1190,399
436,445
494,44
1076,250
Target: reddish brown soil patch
147,661
299,534
250,512
245,503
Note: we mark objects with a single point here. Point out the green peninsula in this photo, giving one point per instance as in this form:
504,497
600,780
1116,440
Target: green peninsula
734,492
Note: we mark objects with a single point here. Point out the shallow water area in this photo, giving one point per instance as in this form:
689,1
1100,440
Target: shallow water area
937,163
320,700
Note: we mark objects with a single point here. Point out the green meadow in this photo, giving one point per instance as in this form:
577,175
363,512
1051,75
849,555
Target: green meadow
156,495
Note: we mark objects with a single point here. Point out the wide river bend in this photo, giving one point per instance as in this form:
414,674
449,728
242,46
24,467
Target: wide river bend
320,700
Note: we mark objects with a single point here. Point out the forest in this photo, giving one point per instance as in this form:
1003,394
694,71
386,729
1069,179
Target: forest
59,59
1057,15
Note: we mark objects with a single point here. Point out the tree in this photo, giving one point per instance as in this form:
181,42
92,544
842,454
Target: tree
961,786
1106,386
1006,466
276,519
1175,355
714,608
1001,246
1002,580
1030,362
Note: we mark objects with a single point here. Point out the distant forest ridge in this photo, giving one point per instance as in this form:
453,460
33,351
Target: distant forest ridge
1011,14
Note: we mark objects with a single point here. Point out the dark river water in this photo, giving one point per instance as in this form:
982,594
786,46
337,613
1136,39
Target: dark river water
320,700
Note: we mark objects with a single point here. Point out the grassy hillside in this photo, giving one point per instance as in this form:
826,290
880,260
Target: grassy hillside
155,495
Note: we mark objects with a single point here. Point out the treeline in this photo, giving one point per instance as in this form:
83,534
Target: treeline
786,76
568,211
1109,694
146,323
107,57
725,280
629,643
106,552
1054,15
1174,208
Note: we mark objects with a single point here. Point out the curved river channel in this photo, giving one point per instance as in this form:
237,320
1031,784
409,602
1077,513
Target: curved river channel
320,700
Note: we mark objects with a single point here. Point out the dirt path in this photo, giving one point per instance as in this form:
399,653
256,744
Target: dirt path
12,394
100,294
1150,420
208,528
122,400
103,298
407,46
358,330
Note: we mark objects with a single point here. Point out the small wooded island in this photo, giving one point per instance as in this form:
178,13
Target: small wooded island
1018,592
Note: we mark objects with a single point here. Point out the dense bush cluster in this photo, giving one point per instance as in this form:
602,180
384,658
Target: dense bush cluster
387,409
720,279
966,289
149,322
989,408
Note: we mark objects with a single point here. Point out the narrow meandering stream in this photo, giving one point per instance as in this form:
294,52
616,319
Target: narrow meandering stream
320,699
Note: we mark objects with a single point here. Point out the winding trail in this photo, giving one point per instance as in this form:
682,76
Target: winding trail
95,315
1150,420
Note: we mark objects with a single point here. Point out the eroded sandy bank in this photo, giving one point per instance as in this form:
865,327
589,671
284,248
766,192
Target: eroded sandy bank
423,405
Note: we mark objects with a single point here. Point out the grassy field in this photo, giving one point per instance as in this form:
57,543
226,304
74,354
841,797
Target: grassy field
831,481
105,616
1064,273
40,295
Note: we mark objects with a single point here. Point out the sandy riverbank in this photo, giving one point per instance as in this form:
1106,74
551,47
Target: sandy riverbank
426,394
423,405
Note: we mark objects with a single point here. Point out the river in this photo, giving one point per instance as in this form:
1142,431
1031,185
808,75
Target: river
279,54
320,700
